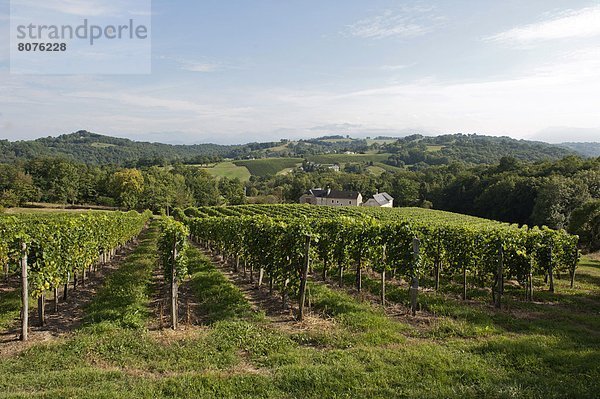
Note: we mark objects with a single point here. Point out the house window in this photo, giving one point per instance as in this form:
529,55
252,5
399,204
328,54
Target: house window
349,202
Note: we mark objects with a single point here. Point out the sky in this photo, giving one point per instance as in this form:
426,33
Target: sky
235,71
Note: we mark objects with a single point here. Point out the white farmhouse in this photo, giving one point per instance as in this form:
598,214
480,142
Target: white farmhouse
383,200
328,197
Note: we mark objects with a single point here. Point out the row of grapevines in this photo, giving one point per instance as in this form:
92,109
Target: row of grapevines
60,245
382,239
172,246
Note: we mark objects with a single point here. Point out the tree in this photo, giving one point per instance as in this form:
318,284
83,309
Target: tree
57,179
405,191
585,222
203,186
128,185
510,199
16,186
233,191
164,190
557,197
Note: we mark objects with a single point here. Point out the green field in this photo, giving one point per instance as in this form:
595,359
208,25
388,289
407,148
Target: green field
229,170
347,158
268,166
387,168
376,170
242,345
383,141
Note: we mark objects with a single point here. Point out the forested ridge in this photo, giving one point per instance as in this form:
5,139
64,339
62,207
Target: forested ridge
92,148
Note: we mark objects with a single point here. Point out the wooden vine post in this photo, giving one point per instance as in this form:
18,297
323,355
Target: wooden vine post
174,315
66,287
551,268
303,278
464,280
359,275
42,309
499,278
55,299
24,294
530,281
437,265
383,277
574,267
414,287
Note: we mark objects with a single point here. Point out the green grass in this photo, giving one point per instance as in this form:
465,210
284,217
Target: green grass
376,170
123,300
10,305
388,168
269,166
229,170
382,141
352,350
576,308
218,298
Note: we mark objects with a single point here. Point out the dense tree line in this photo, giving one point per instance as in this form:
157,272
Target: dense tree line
57,180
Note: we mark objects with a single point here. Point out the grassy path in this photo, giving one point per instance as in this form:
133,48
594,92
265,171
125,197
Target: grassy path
357,352
10,306
217,299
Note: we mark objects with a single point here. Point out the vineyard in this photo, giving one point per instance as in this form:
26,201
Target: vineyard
51,251
285,301
406,242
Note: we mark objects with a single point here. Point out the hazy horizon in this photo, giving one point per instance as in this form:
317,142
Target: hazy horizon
234,72
296,138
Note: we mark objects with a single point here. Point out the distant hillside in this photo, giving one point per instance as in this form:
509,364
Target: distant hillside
586,149
471,148
94,148
98,149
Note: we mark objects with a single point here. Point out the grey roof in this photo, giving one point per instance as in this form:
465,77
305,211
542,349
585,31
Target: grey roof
383,198
317,192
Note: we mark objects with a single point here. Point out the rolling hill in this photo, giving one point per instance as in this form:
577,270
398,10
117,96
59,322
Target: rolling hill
272,157
586,149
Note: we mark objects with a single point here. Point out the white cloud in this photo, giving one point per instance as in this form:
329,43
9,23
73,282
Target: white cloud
408,22
562,92
555,94
141,101
398,67
336,127
204,67
583,23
